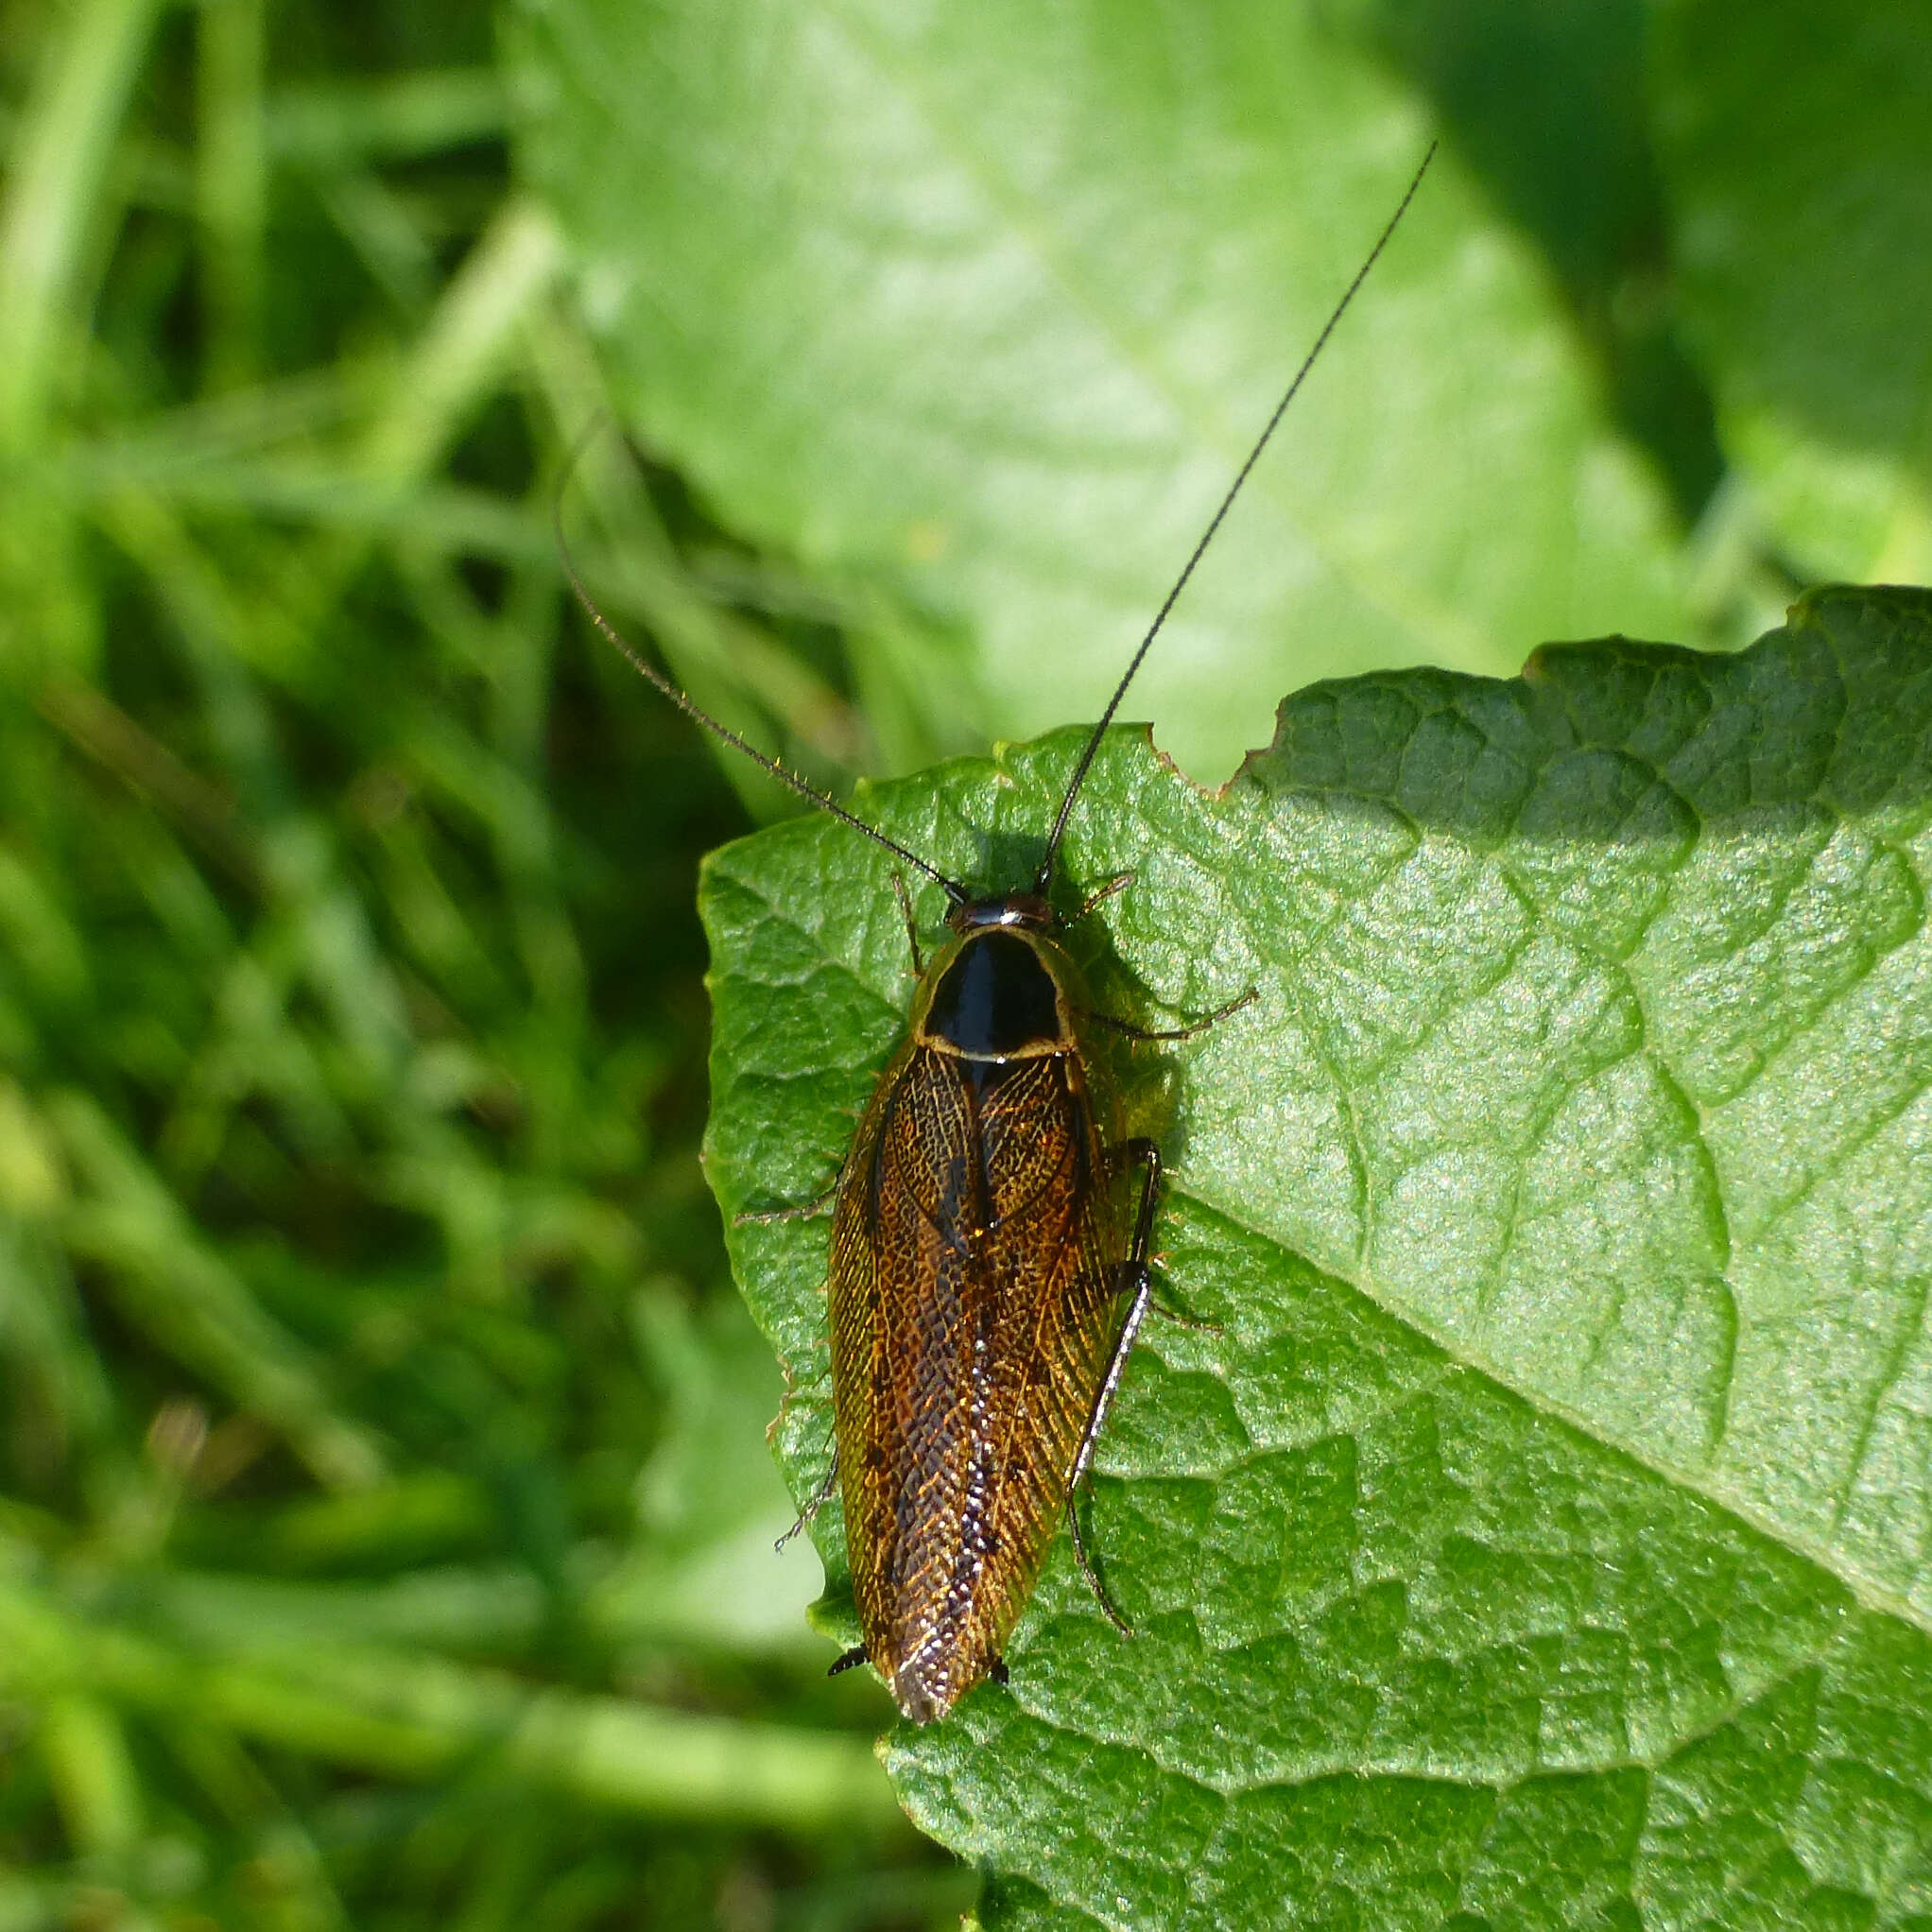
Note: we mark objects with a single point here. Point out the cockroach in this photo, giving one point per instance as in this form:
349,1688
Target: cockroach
990,1239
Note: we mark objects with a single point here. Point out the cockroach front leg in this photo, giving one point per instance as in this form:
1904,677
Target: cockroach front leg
912,924
1118,883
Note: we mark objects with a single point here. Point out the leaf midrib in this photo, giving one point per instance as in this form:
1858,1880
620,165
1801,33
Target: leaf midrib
1866,1588
1870,1593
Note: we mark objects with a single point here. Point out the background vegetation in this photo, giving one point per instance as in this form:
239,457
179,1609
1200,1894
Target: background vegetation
385,1516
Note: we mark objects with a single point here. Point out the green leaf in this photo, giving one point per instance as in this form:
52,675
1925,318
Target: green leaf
1544,1535
1796,157
975,310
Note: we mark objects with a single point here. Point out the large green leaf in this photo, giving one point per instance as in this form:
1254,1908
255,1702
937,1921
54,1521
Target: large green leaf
1546,106
1797,146
1545,1534
975,309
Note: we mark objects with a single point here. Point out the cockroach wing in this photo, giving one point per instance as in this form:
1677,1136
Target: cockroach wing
976,1243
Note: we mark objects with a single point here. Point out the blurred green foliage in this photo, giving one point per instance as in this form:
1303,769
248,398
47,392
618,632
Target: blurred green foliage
386,1520
385,1513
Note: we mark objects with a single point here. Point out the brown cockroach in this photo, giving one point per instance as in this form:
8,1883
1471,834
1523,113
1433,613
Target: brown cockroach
991,1235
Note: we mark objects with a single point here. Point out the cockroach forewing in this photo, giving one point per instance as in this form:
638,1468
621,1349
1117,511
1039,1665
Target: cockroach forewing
976,1261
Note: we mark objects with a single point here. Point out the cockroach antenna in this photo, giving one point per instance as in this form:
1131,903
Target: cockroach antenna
956,893
1044,879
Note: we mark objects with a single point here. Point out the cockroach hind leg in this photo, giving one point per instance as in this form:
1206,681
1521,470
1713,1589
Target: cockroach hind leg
851,1661
1173,1313
1088,1571
997,1671
1134,1280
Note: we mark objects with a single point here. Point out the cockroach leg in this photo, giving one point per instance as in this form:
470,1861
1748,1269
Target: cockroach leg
851,1661
912,924
1144,1154
805,1210
997,1671
1135,1279
1134,1271
1180,1317
1169,1033
806,1516
1087,1570
1118,883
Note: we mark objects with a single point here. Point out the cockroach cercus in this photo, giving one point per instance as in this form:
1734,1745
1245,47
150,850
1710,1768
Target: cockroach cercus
991,1234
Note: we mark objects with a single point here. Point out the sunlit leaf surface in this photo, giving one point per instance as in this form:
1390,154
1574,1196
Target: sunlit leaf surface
978,308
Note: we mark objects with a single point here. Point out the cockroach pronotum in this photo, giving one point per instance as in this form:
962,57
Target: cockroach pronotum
991,1235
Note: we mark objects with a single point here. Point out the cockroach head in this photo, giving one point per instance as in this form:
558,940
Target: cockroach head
1027,910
